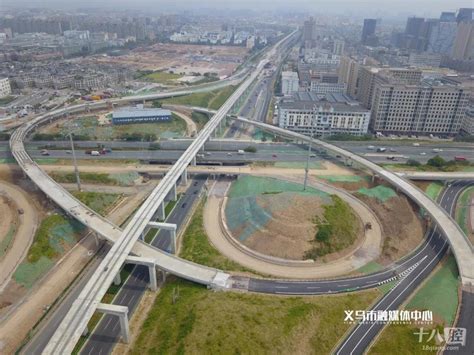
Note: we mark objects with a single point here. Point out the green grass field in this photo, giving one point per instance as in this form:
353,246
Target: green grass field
196,246
434,189
162,77
438,294
54,237
380,192
203,322
463,210
211,99
88,126
98,201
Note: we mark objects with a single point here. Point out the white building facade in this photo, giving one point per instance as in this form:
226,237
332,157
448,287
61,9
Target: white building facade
289,82
322,117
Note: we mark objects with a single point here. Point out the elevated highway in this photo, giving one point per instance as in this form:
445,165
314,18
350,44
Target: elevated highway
76,319
126,241
462,248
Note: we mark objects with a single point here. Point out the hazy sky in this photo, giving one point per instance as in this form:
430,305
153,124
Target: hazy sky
382,8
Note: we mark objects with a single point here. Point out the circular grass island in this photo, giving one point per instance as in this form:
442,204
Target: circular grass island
281,219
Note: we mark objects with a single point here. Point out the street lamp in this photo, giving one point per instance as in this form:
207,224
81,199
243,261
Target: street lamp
76,170
306,170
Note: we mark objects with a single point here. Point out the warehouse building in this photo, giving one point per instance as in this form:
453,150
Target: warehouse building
132,115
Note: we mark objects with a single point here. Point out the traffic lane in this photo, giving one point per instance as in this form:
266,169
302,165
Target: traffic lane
37,344
314,287
177,216
465,320
361,337
105,335
433,243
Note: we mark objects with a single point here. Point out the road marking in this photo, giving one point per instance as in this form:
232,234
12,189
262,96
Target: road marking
281,286
312,287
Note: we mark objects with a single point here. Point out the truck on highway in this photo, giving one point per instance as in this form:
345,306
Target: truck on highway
240,152
381,149
459,158
95,153
44,152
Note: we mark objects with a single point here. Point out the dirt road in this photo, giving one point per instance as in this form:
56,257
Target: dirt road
44,293
369,248
25,231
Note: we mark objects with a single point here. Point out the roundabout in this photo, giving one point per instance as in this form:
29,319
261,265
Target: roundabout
245,225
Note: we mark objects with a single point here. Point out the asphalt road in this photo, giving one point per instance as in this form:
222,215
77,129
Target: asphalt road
50,324
363,334
105,335
282,154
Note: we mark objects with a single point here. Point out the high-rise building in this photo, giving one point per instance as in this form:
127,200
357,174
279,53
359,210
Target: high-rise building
448,16
348,74
5,89
441,38
414,32
368,31
431,107
463,48
309,32
465,14
338,47
289,82
370,76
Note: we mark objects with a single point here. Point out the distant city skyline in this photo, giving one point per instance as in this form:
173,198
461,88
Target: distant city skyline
366,8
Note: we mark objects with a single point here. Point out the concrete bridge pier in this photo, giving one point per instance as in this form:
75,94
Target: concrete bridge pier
151,268
122,313
169,227
193,162
184,178
117,279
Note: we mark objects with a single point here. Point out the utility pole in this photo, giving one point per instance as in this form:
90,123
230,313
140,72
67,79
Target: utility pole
306,170
76,171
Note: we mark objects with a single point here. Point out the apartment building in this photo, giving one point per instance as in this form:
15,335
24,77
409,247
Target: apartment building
434,106
369,77
323,115
348,74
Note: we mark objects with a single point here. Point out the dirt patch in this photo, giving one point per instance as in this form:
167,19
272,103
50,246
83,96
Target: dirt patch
289,231
403,230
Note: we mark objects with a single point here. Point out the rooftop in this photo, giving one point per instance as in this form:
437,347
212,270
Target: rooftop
308,100
131,112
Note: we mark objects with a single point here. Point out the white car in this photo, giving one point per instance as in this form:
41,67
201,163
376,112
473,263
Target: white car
422,153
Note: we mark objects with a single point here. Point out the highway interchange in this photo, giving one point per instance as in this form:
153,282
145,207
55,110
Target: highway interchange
418,273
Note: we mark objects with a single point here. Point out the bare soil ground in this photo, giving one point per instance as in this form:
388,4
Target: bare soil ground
179,58
290,230
403,230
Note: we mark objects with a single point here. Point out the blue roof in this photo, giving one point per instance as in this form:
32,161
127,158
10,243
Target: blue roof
133,112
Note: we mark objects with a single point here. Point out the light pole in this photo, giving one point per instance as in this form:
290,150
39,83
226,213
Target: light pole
76,171
306,170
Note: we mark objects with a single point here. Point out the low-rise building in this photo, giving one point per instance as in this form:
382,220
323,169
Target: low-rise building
289,82
132,115
323,115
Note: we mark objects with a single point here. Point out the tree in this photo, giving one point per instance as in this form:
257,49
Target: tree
251,149
324,233
413,162
437,162
157,103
